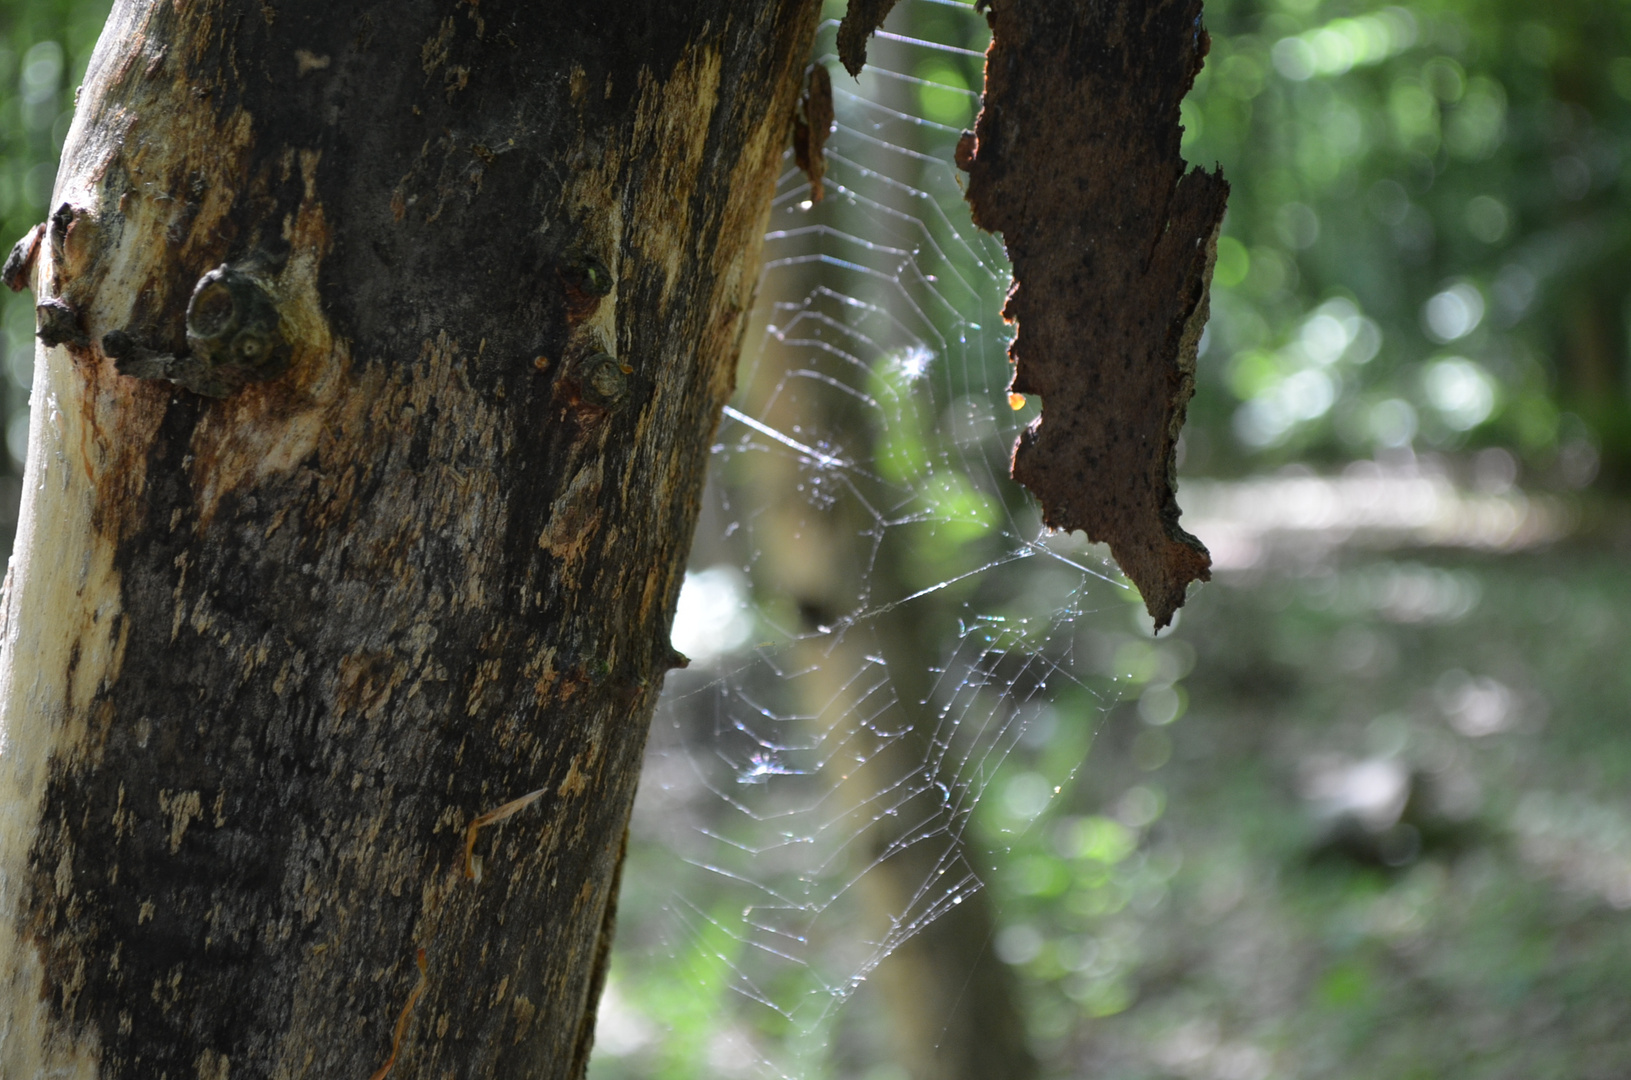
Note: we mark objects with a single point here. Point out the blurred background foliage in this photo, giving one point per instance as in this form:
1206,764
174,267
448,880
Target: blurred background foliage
1427,246
1363,813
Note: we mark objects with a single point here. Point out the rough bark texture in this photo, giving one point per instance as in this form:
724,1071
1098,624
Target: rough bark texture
1074,159
266,658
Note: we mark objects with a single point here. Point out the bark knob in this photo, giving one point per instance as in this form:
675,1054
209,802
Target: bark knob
232,326
589,276
232,339
58,323
604,381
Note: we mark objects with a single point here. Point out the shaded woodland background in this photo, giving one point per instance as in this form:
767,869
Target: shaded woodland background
1364,812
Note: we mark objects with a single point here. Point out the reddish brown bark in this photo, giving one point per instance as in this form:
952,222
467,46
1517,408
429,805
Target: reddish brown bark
1075,161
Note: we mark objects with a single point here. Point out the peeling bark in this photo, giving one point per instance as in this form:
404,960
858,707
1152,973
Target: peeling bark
811,126
862,19
272,661
1075,161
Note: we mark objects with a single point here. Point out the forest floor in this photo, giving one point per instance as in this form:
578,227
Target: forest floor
1394,823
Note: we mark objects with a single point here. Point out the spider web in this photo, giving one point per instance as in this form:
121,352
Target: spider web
881,627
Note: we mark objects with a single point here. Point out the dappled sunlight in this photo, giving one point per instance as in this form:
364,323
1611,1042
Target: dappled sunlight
1368,504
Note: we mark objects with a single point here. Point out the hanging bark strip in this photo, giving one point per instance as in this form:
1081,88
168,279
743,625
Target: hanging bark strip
812,124
1074,160
862,18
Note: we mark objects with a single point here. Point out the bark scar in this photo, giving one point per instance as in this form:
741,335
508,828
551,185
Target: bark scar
1075,160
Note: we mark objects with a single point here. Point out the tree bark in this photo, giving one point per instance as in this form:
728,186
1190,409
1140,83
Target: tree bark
291,612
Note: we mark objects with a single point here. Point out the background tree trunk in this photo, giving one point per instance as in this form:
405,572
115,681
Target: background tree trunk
952,1007
267,657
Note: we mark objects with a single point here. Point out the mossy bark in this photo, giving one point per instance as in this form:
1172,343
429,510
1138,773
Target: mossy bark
268,656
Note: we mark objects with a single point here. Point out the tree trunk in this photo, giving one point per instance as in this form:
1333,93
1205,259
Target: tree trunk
374,531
